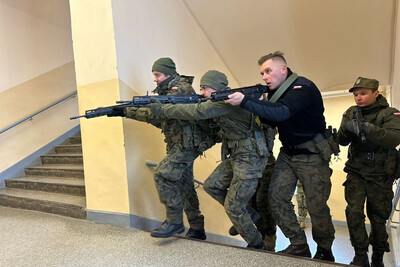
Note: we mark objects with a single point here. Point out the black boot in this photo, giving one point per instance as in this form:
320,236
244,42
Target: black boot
298,250
196,234
255,217
260,246
323,254
377,258
361,258
167,229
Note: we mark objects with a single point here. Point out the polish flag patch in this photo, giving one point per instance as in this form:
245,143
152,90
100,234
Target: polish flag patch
344,114
174,88
397,114
297,87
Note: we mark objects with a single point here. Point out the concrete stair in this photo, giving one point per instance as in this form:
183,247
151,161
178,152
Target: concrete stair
55,186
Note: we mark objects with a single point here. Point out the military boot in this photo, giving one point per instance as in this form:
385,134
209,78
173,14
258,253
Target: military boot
297,250
377,258
360,259
270,242
260,246
196,234
323,254
167,229
255,217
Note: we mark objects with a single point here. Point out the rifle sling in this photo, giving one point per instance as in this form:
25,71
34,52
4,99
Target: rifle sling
284,86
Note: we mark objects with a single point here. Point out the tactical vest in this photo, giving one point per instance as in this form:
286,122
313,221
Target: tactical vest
370,157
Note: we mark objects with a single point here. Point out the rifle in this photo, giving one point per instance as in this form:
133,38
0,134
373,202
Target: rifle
254,91
361,125
140,101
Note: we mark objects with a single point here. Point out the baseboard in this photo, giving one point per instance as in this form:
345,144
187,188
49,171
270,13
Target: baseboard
34,158
134,221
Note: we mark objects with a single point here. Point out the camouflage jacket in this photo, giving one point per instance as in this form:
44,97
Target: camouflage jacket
182,132
377,156
237,126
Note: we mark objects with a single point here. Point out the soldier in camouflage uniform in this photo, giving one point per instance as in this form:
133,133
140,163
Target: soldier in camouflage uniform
295,107
372,166
301,205
185,140
244,153
260,201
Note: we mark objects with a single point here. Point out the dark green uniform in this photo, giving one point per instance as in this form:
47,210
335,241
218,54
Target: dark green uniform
370,167
244,154
185,140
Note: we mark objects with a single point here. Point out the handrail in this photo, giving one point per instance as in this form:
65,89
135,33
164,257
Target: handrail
396,201
30,117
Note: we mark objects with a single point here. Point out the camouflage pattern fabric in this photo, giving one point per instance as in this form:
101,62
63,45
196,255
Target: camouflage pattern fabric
175,186
379,194
301,202
174,175
266,225
240,173
314,173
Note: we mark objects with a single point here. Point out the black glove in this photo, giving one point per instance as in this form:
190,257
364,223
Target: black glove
117,112
352,126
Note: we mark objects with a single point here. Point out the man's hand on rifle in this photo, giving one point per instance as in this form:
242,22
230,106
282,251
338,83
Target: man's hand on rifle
117,112
235,99
352,126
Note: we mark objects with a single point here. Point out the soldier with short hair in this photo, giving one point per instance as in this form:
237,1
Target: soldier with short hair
186,140
295,107
372,129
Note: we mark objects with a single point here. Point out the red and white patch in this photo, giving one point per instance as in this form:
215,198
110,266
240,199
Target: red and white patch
174,88
344,114
397,114
297,87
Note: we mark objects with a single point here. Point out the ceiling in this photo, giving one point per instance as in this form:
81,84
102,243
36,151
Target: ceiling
332,42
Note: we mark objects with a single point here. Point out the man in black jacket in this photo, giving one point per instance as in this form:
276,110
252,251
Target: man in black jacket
295,107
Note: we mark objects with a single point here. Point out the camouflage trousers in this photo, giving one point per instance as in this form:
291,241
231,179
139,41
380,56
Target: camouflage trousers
301,202
260,201
240,174
377,192
314,174
175,186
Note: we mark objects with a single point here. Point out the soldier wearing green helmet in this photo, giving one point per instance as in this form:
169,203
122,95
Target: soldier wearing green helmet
372,167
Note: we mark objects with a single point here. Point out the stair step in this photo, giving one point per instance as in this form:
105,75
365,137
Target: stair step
72,186
62,159
69,149
59,170
75,140
66,205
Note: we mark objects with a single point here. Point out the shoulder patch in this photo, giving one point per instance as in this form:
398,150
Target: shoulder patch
297,87
174,88
344,114
396,114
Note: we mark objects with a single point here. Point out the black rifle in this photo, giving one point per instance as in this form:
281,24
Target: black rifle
254,91
361,125
140,101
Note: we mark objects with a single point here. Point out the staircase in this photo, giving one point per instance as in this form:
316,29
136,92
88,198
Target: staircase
56,186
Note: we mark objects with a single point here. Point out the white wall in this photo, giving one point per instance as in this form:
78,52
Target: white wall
35,38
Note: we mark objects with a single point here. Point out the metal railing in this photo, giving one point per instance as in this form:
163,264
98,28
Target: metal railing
395,203
155,164
30,117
